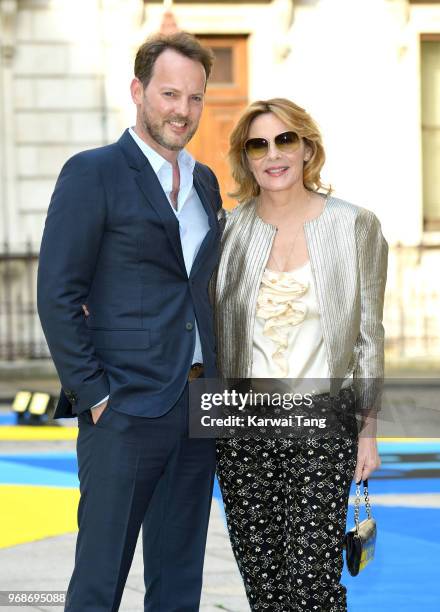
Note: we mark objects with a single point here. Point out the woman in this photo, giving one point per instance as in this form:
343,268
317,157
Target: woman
298,294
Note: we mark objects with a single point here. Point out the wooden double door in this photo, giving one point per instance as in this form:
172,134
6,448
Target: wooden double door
226,97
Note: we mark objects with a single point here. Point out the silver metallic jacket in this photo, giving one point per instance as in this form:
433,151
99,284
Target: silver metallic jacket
348,257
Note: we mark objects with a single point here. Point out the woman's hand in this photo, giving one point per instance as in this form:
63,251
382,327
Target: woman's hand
368,459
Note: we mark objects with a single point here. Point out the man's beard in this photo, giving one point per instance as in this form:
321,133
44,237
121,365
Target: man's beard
157,132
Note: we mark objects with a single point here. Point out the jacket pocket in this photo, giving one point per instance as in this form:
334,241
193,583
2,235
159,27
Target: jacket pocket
121,339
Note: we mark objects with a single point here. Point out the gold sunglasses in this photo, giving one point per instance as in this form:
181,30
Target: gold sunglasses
256,148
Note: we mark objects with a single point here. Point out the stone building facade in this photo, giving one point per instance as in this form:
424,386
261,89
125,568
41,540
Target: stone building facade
367,70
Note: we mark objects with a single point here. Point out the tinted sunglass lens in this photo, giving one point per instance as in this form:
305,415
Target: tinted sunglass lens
256,147
288,141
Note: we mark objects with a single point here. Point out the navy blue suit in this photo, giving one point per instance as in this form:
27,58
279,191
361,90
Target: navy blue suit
111,241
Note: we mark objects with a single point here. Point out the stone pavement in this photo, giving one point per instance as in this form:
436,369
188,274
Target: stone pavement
47,565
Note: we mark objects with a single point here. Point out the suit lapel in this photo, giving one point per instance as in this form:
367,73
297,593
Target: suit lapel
155,196
153,192
206,200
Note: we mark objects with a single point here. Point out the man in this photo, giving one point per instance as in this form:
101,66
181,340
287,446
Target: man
131,240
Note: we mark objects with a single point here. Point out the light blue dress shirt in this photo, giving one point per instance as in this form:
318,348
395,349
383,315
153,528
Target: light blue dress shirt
190,213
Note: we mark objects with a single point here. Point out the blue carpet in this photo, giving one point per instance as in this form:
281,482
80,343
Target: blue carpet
404,575
9,418
12,472
400,485
391,448
63,462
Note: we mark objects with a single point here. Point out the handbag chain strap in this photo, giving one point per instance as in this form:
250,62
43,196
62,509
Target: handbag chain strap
367,500
357,503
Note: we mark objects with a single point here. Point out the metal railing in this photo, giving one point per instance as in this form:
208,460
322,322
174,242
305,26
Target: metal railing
21,336
412,302
411,319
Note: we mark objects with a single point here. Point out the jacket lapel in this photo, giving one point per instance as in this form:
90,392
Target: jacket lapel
208,205
153,192
204,196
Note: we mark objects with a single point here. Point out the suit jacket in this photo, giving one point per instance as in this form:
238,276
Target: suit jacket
348,257
111,241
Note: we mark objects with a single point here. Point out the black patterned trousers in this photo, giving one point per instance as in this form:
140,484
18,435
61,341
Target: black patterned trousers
286,505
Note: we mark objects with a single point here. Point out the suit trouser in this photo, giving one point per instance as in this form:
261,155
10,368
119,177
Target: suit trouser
134,470
286,503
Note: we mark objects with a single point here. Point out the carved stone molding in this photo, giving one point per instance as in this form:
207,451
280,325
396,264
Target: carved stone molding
285,17
8,20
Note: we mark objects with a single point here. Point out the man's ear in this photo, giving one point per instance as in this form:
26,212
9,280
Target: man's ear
137,90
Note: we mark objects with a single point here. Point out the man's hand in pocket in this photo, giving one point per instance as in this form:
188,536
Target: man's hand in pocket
97,411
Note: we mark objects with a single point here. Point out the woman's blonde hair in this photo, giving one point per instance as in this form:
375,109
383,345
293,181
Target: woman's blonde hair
296,119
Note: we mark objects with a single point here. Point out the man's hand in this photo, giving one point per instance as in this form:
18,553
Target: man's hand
368,459
97,411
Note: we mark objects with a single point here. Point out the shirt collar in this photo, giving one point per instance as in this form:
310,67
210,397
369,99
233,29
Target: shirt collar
157,161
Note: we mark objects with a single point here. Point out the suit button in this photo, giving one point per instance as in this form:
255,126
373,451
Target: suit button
189,326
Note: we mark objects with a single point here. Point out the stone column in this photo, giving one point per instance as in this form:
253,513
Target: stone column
8,18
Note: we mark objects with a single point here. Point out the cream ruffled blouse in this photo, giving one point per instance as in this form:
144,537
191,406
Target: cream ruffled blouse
288,340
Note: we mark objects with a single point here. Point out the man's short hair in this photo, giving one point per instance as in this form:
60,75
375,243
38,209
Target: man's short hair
181,42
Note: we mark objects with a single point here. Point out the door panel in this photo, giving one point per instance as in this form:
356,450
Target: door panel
226,97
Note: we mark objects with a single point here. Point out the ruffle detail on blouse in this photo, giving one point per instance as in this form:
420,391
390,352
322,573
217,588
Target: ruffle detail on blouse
278,304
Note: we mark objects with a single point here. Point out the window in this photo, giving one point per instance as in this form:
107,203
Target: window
222,69
430,64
